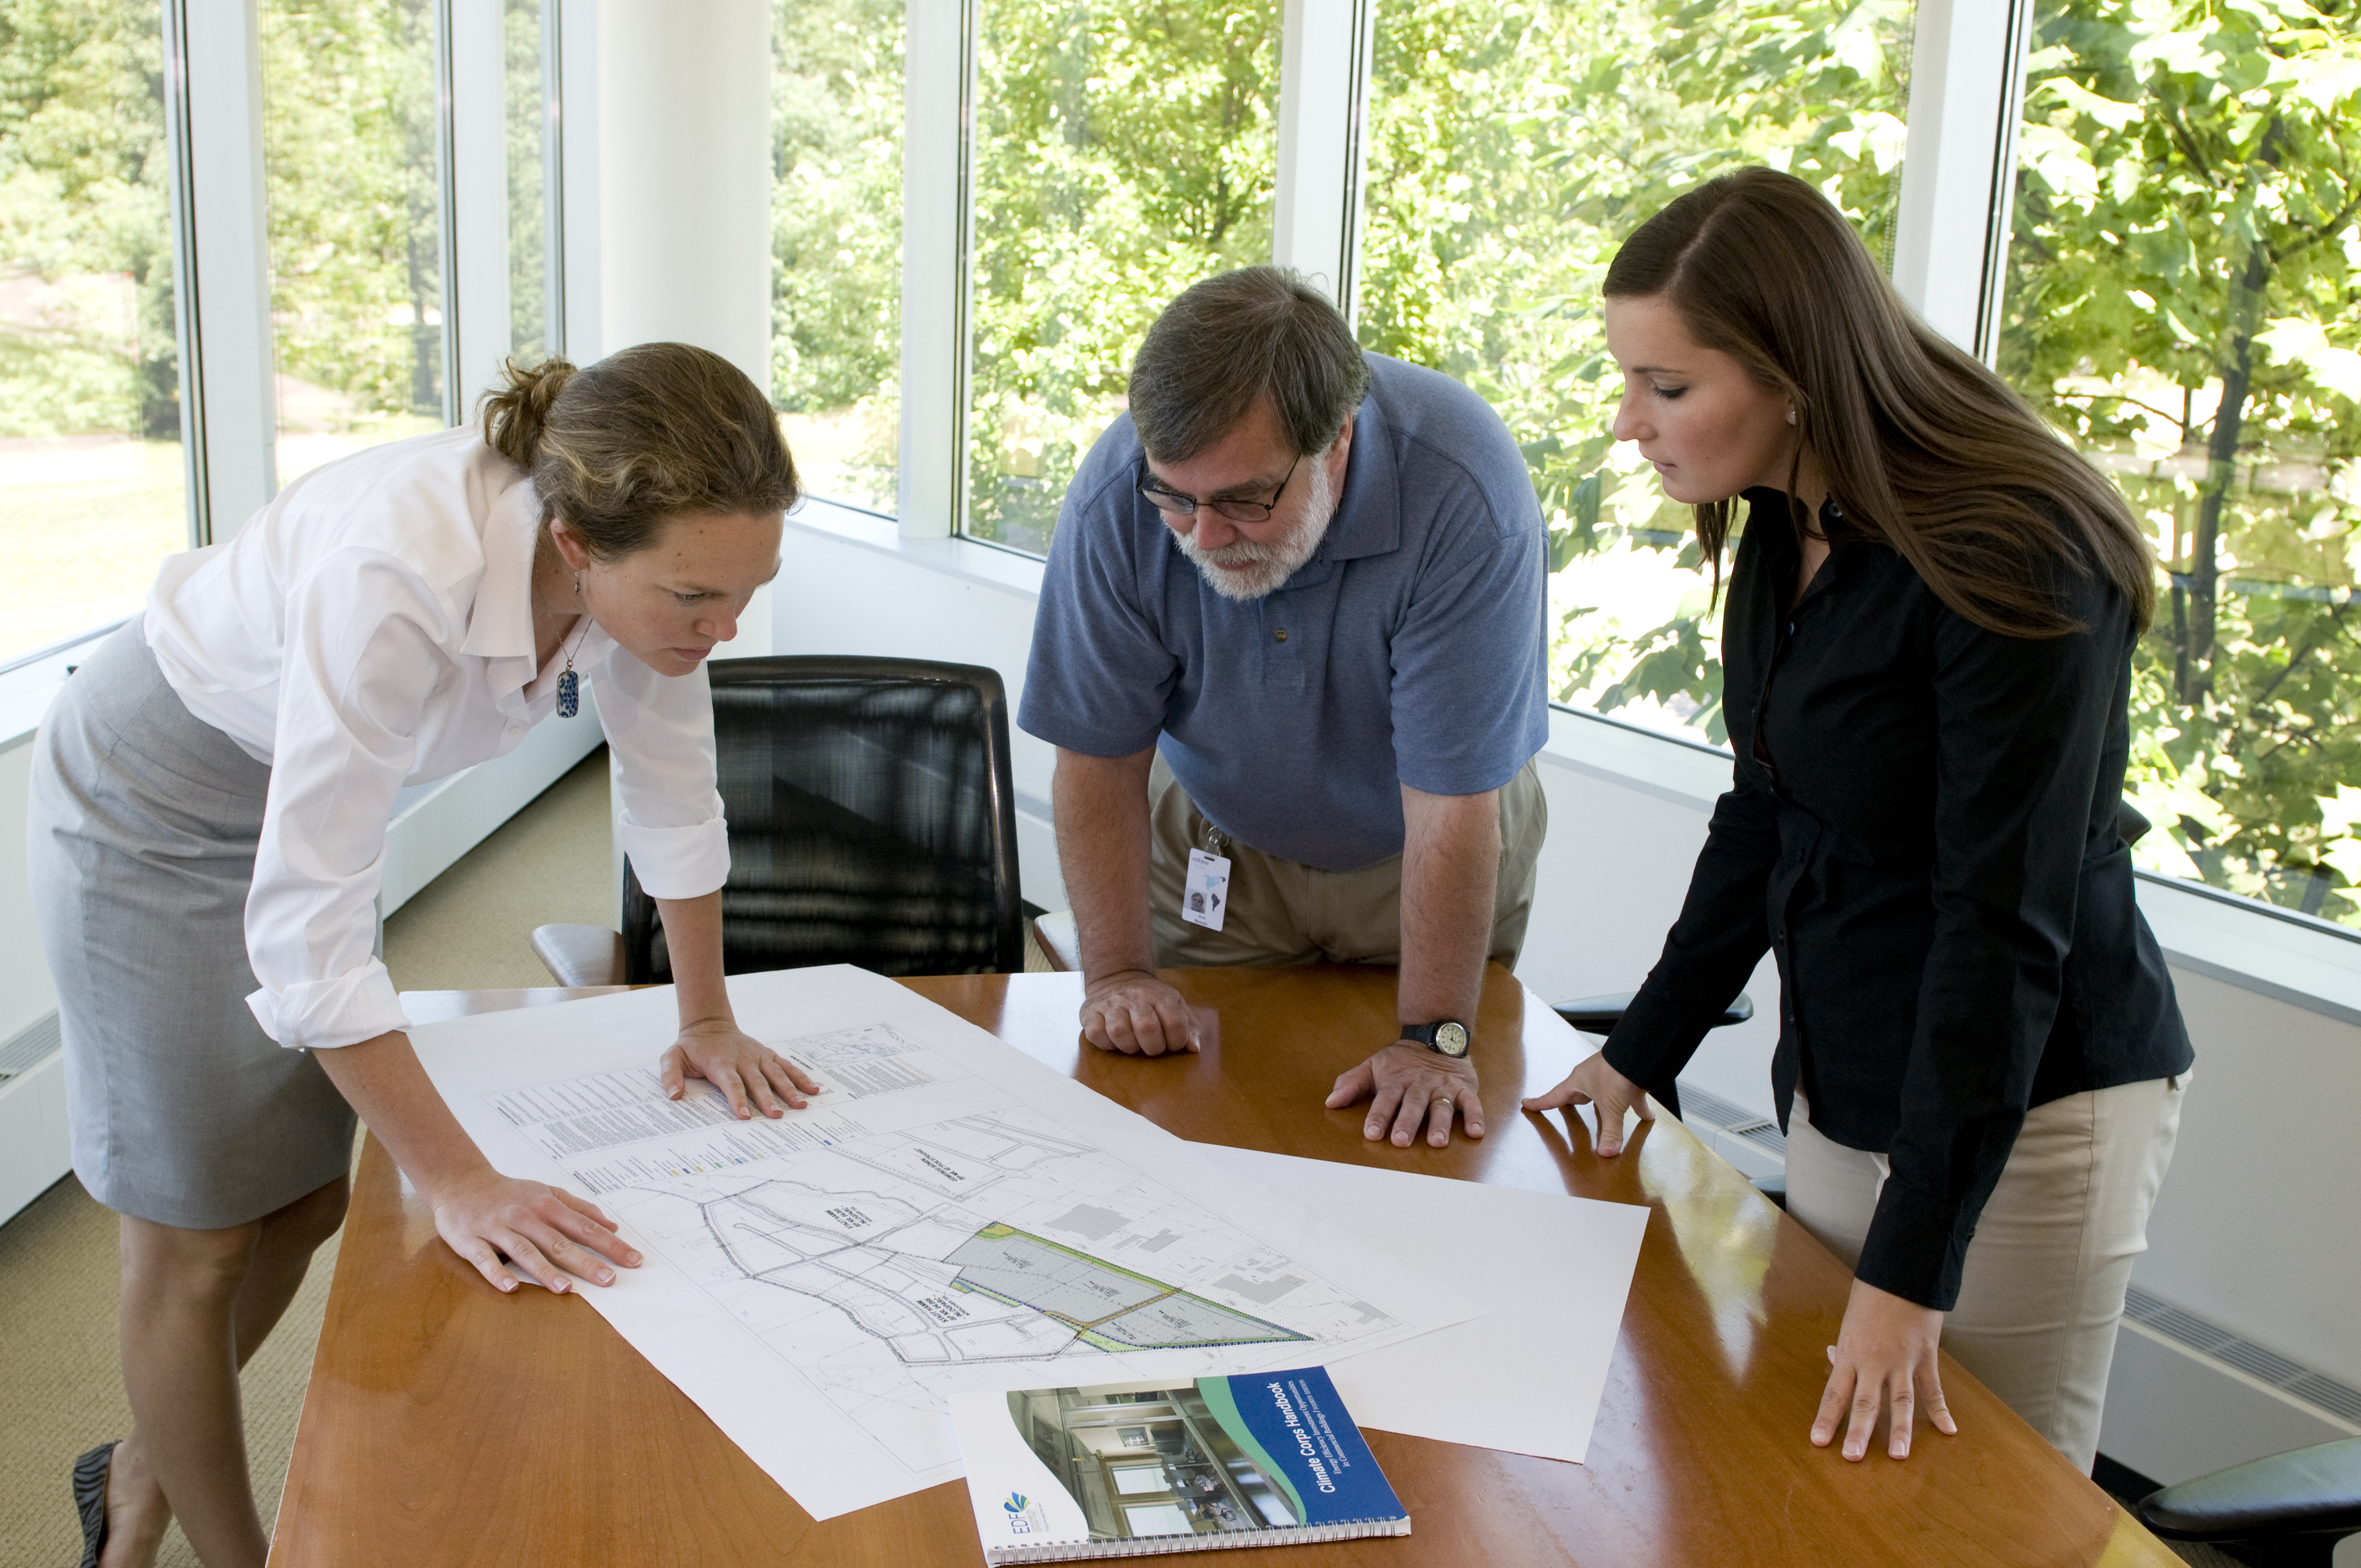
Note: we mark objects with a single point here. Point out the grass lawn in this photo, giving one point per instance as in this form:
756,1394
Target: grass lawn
80,553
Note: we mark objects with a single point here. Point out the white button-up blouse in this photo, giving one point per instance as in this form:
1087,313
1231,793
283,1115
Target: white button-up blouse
372,627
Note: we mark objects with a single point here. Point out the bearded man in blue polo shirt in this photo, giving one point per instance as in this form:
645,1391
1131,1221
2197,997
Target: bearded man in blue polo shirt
1291,652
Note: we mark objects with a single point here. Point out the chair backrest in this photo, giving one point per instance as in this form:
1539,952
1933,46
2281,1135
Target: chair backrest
872,820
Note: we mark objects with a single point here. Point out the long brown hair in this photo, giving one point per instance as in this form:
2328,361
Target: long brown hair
1923,448
655,431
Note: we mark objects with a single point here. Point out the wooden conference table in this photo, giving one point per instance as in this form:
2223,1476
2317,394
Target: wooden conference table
446,1423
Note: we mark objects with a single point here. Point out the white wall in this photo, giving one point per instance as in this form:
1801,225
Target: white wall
25,992
2257,1224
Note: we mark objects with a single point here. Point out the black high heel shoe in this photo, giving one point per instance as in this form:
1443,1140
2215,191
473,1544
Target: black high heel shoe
90,1497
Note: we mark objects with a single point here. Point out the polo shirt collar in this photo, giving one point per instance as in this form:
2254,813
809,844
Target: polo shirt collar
499,623
1368,514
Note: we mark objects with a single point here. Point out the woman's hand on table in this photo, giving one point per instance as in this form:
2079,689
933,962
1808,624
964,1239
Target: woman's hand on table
525,1232
1883,1364
750,1074
1594,1083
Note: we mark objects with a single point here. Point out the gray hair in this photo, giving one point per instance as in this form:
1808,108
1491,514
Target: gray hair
1233,340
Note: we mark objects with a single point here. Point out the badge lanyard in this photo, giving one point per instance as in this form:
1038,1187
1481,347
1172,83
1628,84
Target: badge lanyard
1205,895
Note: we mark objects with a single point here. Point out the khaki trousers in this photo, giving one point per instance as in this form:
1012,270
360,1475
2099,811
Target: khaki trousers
2043,1287
1284,912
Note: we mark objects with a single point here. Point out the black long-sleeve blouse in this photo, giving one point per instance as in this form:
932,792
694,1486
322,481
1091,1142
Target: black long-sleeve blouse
1923,829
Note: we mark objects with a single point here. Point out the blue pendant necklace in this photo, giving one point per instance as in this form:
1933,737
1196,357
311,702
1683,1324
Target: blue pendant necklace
569,684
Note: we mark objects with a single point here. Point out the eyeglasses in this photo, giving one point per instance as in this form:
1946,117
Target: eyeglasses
1236,509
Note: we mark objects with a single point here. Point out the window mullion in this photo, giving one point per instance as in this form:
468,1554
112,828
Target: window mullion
477,195
1325,49
936,220
1967,94
222,256
576,232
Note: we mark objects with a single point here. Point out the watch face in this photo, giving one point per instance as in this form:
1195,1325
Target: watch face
1450,1039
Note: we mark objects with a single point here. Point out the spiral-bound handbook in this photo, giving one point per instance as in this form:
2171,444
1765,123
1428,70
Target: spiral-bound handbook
1140,1469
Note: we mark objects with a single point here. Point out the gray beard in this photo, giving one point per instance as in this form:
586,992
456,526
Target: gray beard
1275,561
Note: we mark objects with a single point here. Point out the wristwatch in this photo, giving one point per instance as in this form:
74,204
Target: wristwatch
1448,1038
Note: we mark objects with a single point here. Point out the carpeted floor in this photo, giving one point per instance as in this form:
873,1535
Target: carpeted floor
60,1392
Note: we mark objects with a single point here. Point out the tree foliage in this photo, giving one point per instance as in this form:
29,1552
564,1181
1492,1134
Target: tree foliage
86,323
2183,303
1123,151
350,173
1514,145
836,204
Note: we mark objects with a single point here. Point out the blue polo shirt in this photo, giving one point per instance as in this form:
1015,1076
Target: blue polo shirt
1409,650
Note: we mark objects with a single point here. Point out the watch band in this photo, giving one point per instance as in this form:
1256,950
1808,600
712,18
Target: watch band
1445,1037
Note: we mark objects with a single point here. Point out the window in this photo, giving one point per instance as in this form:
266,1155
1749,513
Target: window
836,216
93,492
352,112
1154,1519
2184,301
1512,146
1122,152
536,260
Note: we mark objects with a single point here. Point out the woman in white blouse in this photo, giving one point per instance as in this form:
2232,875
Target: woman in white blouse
208,834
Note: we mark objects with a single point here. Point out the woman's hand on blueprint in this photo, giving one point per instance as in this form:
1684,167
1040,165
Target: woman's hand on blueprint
750,1074
528,1233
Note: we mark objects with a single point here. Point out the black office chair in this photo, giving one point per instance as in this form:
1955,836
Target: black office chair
872,822
2287,1511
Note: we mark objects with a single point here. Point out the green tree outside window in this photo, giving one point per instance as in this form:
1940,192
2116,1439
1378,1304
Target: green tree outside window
2184,301
1514,144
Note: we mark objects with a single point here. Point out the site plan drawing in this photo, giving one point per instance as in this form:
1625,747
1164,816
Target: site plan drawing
948,1214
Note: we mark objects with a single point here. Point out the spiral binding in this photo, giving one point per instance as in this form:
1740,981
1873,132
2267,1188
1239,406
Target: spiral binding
1159,1545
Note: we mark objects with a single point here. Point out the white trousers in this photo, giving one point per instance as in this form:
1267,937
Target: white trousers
2043,1286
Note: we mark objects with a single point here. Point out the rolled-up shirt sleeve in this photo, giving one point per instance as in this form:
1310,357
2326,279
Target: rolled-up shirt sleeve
660,730
360,662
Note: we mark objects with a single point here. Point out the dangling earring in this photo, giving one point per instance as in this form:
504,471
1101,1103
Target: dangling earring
569,684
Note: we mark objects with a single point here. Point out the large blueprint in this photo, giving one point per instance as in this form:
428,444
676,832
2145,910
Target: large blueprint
948,1214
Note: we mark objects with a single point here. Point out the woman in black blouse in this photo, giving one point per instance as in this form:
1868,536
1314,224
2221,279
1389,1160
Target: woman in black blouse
1925,664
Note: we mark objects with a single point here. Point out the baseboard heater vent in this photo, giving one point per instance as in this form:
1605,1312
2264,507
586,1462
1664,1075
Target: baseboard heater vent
23,1050
1735,1120
2208,1338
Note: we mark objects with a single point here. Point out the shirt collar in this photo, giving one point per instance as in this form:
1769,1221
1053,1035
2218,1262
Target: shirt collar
1368,514
499,623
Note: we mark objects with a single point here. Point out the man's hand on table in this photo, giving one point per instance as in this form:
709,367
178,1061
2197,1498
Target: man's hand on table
1133,1012
1407,1084
1883,1364
524,1232
752,1075
1592,1082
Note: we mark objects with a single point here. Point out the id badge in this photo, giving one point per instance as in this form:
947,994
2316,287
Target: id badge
1205,897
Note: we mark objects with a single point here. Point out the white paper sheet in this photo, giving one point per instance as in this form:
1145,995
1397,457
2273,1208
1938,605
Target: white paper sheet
948,1214
1553,1271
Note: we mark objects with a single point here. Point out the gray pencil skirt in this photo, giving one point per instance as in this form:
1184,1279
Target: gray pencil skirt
141,841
